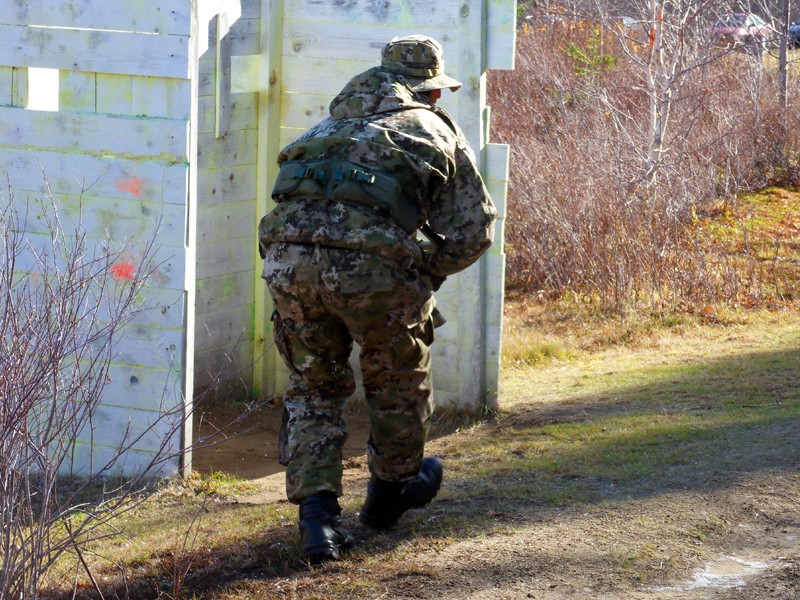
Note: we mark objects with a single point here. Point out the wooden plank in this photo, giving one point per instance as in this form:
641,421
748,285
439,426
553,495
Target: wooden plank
496,160
215,294
96,51
245,73
206,78
161,97
85,457
493,309
152,347
406,13
231,376
158,139
330,75
227,221
228,256
500,49
168,264
115,218
228,185
99,175
244,112
251,9
6,85
302,38
143,427
238,148
231,329
303,110
222,88
77,91
243,37
500,33
19,86
167,16
114,94
160,307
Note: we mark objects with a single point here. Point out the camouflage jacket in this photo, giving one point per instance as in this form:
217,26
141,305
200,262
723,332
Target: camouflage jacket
377,122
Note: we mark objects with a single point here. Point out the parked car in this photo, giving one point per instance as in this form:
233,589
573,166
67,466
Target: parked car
794,34
742,29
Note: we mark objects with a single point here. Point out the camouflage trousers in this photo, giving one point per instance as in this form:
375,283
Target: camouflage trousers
325,299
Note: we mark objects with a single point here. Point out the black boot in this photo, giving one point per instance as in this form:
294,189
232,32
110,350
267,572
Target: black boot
321,528
388,500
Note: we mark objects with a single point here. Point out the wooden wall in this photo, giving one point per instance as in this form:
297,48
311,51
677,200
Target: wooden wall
315,46
226,218
169,117
116,150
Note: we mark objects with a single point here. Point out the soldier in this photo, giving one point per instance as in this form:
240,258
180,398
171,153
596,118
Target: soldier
342,263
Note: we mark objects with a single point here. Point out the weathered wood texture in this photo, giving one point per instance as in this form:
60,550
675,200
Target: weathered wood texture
322,43
116,157
226,216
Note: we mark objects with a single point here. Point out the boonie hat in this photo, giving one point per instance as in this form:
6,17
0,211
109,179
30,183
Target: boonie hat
420,60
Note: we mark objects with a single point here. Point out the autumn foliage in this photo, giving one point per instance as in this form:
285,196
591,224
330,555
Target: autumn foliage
587,215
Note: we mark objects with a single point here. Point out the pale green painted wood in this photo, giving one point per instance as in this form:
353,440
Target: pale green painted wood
171,17
370,12
243,37
77,91
501,32
269,374
162,182
225,226
155,139
6,86
228,330
136,460
308,39
222,88
213,367
115,218
19,86
245,73
159,97
237,148
244,112
225,256
161,307
300,111
133,173
216,294
152,347
224,189
329,78
251,9
114,94
98,51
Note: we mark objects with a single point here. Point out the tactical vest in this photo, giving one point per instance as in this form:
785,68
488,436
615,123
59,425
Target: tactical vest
343,181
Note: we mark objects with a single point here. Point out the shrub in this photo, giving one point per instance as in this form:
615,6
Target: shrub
592,209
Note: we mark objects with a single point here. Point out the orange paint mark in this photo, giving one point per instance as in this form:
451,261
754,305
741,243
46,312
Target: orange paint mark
124,270
131,185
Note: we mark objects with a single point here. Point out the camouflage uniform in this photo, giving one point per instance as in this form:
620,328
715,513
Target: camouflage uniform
341,271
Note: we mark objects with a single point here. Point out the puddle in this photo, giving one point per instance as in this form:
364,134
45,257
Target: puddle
723,573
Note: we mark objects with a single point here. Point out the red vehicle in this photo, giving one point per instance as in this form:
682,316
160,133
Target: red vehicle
742,29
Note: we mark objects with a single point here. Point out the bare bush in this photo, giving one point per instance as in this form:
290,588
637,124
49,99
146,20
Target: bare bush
64,302
585,213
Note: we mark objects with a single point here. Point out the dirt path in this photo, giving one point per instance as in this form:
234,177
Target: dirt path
747,542
723,524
